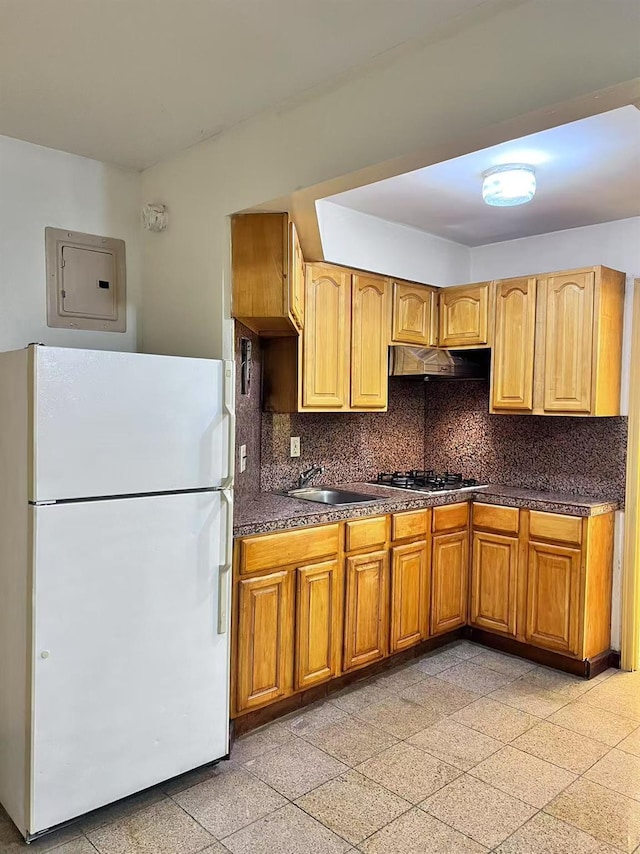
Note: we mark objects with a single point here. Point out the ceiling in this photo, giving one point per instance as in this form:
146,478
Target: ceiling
587,172
134,81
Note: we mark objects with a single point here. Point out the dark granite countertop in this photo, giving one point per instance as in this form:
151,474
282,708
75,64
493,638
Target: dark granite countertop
262,512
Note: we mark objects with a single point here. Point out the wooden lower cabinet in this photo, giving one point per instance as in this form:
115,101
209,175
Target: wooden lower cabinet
318,623
409,595
366,621
494,582
449,573
265,639
553,597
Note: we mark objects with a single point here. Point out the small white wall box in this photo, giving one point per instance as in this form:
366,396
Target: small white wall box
86,281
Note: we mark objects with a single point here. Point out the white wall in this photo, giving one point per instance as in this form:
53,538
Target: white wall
357,239
41,187
515,58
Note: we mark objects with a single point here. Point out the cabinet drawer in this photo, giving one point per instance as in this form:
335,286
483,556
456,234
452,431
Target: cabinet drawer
553,526
495,518
413,523
288,547
363,533
451,517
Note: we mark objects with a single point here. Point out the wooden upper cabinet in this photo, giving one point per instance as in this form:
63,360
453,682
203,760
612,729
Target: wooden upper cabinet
366,620
513,345
318,623
494,579
369,342
567,315
553,597
409,595
265,635
464,316
414,315
267,293
326,343
449,573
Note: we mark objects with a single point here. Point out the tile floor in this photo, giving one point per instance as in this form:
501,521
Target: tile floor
465,750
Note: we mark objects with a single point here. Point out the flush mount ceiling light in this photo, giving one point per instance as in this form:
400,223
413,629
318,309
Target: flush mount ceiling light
505,186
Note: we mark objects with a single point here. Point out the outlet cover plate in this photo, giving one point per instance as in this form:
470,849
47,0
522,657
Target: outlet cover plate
295,446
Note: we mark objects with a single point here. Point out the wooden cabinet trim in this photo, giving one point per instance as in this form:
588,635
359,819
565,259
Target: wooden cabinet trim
410,523
555,526
450,516
288,548
366,533
495,517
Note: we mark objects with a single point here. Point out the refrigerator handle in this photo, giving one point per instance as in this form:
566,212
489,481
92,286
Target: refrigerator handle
225,569
230,410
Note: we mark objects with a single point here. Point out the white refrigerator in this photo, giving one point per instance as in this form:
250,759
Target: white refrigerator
115,553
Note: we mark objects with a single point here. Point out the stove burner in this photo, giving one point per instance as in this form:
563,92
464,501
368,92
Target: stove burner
424,480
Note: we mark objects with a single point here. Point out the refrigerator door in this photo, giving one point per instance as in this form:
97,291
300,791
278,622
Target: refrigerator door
131,675
109,424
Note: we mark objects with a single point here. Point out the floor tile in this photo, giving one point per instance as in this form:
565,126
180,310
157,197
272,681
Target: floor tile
121,809
560,746
438,696
287,831
524,776
545,834
478,810
474,677
619,771
81,845
295,768
529,698
619,694
593,722
565,684
353,806
228,802
192,778
399,678
316,715
162,828
605,814
495,719
12,842
465,649
456,744
409,772
417,832
631,744
260,741
356,697
350,740
398,716
436,662
510,665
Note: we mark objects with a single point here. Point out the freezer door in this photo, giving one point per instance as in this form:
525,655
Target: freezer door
109,424
131,675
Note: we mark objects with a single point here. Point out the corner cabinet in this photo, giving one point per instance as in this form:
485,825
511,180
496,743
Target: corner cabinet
268,274
449,568
340,361
414,315
558,344
465,319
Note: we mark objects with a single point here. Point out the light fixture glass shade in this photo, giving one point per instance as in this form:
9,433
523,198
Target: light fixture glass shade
505,186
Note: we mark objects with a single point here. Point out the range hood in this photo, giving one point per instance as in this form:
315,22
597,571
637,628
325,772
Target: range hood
433,363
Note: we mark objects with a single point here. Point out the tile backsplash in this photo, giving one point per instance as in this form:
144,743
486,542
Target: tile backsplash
440,425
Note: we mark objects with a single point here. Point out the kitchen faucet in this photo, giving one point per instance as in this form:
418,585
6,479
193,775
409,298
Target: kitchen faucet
307,476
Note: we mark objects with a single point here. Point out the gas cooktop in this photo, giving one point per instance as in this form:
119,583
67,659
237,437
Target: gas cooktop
421,480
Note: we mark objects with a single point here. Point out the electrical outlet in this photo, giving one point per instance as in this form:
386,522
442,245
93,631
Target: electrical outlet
243,458
295,446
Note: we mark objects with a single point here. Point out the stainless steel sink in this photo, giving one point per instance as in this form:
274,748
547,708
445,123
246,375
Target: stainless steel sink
331,496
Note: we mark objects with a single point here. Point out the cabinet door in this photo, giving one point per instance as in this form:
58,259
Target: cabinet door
464,316
449,572
567,312
317,623
366,609
513,345
553,597
412,315
296,278
409,595
494,573
265,639
326,350
369,342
